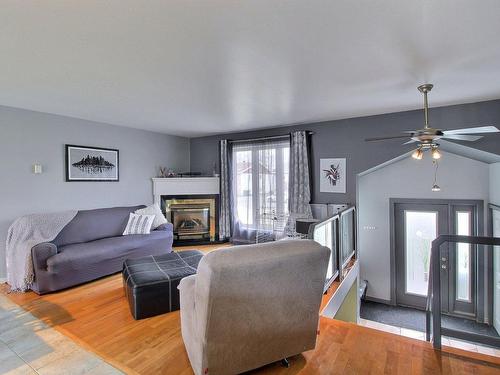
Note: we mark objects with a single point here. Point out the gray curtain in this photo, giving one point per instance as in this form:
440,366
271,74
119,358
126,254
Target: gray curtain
225,198
299,189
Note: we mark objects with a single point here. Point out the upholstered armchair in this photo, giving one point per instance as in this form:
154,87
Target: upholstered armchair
252,305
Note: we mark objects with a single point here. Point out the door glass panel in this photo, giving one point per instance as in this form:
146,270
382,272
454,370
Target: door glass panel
420,231
463,258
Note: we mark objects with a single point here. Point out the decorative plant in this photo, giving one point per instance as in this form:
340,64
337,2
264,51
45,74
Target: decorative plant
333,174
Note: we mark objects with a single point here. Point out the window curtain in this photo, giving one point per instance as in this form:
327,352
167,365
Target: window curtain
299,187
260,172
225,197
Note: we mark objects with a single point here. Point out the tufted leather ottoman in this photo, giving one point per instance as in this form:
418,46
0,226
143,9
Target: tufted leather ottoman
151,282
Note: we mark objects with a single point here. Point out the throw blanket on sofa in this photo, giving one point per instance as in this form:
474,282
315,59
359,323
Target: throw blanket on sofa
24,233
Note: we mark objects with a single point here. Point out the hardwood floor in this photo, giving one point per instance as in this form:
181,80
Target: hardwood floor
96,315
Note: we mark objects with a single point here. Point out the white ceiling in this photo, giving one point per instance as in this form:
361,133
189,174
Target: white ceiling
202,67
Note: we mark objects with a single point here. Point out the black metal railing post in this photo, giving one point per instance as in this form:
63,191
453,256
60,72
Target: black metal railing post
434,293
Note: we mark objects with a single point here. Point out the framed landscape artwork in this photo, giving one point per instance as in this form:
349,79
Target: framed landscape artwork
332,175
91,164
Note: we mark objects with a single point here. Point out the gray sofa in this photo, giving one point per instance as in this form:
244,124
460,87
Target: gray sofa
92,246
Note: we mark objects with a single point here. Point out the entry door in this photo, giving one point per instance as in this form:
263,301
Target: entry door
416,226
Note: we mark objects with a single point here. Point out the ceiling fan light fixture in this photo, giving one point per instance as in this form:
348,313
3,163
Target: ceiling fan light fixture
418,154
436,154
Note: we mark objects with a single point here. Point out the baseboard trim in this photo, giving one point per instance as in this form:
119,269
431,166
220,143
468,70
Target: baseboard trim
379,300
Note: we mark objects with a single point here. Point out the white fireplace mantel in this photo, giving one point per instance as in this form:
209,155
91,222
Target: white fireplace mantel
184,186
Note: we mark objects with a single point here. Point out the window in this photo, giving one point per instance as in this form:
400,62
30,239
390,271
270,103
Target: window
260,181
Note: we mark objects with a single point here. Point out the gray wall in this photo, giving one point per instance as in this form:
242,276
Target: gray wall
27,137
495,183
345,138
407,178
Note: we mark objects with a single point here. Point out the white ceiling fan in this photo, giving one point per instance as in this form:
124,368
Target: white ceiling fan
428,136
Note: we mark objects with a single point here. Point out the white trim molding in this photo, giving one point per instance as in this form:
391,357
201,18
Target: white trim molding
184,186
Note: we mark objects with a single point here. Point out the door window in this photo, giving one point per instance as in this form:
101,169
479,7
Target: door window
421,230
463,258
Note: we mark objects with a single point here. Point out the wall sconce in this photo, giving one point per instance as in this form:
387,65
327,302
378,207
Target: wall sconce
37,168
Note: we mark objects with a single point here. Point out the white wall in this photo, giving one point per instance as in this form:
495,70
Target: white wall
495,183
459,178
27,137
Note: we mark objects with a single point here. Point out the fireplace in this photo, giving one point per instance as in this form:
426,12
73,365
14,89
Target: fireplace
194,217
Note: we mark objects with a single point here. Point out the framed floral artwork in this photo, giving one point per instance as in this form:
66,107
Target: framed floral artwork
333,175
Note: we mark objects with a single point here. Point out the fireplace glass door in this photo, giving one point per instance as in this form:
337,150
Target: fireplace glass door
191,221
194,218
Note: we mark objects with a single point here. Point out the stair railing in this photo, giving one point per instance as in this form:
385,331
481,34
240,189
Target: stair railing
433,328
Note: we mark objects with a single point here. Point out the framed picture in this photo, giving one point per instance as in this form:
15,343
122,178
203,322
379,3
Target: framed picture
333,175
92,164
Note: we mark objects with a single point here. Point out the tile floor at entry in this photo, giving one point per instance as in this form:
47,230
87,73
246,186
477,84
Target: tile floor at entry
453,343
29,346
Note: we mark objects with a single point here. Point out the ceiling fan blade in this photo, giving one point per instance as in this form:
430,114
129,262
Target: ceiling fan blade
462,137
478,130
384,138
409,142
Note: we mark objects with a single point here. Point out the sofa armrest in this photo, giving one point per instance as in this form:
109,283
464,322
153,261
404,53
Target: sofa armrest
41,253
165,227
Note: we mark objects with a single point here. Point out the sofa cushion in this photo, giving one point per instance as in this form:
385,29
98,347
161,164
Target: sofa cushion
109,251
91,225
138,224
153,209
